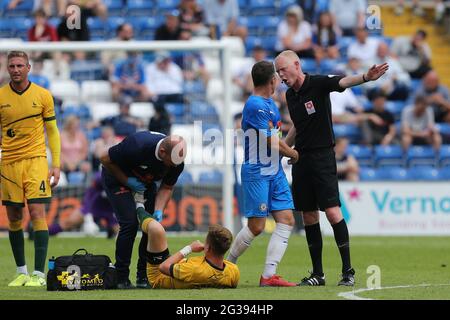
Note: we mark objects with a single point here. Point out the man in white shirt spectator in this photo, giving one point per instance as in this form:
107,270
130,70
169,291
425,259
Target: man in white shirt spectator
294,33
224,14
348,14
418,127
364,48
437,95
413,53
164,79
396,81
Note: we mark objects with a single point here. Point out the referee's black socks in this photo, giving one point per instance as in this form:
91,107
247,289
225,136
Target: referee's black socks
342,240
314,238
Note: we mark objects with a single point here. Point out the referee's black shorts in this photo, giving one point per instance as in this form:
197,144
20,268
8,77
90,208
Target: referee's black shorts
314,181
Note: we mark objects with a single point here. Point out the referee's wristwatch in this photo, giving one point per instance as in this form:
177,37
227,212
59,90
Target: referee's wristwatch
364,78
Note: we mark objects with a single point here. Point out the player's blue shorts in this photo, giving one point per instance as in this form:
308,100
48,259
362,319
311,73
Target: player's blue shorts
262,197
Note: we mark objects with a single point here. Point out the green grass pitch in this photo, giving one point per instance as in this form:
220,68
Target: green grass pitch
422,264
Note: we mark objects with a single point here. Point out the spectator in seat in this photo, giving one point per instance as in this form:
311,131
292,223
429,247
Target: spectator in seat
74,147
439,9
414,54
66,28
160,122
129,79
243,78
107,139
348,15
294,33
396,81
123,124
364,48
437,95
42,30
164,80
325,38
222,16
192,63
418,127
124,32
191,17
379,132
170,29
347,166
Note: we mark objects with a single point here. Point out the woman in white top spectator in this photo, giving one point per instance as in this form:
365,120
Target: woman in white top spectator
294,33
325,38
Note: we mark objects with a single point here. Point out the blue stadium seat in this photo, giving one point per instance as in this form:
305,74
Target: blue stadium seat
262,7
164,6
284,4
81,112
112,24
267,43
7,29
204,112
145,27
54,21
139,8
190,87
394,173
444,156
362,153
75,178
328,66
421,155
185,178
396,108
388,155
444,129
115,7
22,25
444,173
415,85
343,44
243,7
349,131
210,177
309,65
426,173
177,111
369,174
94,133
260,25
97,28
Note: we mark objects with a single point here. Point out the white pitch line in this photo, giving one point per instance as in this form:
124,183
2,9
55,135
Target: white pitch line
351,295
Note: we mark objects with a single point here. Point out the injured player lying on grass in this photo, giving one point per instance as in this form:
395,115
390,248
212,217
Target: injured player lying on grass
178,271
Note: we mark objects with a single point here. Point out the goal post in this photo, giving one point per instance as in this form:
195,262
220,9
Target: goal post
225,116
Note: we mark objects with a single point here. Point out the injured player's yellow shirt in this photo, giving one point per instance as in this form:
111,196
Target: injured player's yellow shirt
194,272
22,116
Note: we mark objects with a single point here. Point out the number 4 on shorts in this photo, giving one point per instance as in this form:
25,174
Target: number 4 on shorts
42,186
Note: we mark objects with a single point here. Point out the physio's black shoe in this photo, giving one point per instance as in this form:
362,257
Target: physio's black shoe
142,283
348,278
313,280
124,285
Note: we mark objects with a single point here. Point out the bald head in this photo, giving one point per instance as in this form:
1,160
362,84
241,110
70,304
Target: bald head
173,150
431,80
288,67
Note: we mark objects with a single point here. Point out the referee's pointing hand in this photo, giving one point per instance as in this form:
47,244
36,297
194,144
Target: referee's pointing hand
377,71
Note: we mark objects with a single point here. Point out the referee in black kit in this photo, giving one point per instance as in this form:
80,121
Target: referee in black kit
314,176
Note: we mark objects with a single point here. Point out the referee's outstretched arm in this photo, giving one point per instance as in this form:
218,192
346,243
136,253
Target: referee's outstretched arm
375,72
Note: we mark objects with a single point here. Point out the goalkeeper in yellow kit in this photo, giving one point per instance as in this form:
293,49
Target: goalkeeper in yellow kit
25,110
